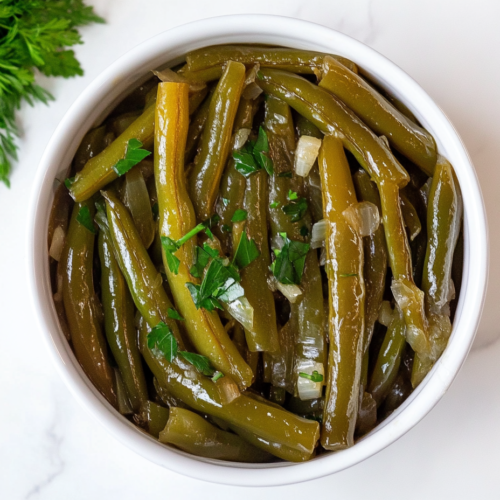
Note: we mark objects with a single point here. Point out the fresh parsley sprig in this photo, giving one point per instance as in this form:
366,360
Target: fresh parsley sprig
161,342
34,34
254,156
133,155
288,266
85,219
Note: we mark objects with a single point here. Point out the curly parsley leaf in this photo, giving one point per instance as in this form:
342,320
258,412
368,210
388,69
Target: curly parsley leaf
288,266
161,340
133,155
85,219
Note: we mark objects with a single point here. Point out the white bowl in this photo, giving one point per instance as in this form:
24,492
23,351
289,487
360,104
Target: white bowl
108,89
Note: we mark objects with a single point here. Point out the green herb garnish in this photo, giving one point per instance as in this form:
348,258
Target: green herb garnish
239,215
226,228
274,204
162,340
172,313
85,219
288,266
260,75
245,163
201,363
287,174
133,155
225,201
315,377
254,156
297,207
246,252
35,34
217,376
69,181
304,231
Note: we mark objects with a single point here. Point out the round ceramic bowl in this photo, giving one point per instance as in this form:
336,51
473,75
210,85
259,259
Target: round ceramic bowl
133,68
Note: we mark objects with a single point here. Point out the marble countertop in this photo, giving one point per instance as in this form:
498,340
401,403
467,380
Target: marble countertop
51,449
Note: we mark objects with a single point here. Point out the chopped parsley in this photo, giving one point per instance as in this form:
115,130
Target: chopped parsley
297,207
133,155
85,219
173,314
225,201
162,340
254,156
69,181
288,266
246,252
239,215
315,377
274,204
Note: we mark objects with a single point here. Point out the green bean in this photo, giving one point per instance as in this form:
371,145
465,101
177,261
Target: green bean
203,75
381,116
296,60
202,395
264,335
91,145
444,216
375,257
80,304
191,433
389,358
120,123
136,199
332,117
98,171
216,141
177,218
156,417
308,407
232,187
346,299
304,127
196,128
119,321
195,100
410,216
367,415
143,280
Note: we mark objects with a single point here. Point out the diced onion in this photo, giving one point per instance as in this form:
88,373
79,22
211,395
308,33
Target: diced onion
306,388
241,137
363,217
251,74
167,75
385,313
252,91
241,310
228,390
57,243
306,154
318,234
291,292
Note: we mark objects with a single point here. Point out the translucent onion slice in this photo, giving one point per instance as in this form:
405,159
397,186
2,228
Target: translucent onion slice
251,74
306,154
306,388
363,217
167,75
318,234
252,91
57,243
228,390
241,137
385,313
241,310
291,292
384,139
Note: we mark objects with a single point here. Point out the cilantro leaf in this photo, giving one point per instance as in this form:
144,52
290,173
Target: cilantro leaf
288,266
133,155
201,363
239,215
162,340
85,219
172,313
315,377
246,252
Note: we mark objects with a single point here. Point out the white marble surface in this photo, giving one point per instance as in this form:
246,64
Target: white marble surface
51,449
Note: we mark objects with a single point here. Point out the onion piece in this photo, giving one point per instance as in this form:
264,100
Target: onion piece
291,292
363,217
306,153
318,234
167,75
241,310
251,74
228,390
240,138
322,257
306,388
57,244
385,313
384,139
252,91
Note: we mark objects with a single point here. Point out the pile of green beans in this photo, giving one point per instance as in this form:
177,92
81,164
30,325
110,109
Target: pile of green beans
339,281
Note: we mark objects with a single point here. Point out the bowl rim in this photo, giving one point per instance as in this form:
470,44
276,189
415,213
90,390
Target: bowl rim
100,96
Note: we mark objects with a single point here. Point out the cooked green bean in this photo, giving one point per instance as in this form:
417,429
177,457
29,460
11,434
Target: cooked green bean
190,432
216,141
177,218
410,216
383,118
300,61
196,128
119,321
264,334
346,299
98,171
91,145
156,417
196,98
81,304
